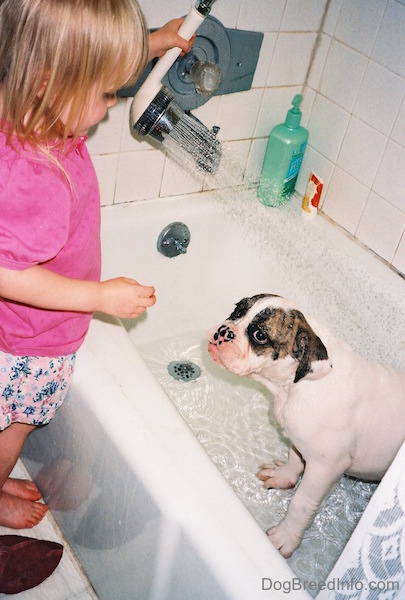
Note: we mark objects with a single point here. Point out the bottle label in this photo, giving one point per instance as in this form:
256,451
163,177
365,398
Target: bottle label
293,170
312,197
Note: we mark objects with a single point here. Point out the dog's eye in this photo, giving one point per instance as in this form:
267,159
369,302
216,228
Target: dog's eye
259,337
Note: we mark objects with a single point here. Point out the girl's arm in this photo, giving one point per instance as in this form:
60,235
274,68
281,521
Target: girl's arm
39,287
165,38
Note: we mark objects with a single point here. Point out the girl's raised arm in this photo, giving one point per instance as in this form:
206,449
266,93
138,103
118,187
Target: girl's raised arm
39,287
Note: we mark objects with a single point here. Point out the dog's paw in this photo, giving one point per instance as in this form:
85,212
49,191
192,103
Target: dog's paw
277,475
285,540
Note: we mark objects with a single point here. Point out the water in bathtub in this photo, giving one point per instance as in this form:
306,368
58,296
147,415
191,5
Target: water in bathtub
232,419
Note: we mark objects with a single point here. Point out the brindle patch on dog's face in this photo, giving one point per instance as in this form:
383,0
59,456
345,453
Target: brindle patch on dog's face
284,333
272,328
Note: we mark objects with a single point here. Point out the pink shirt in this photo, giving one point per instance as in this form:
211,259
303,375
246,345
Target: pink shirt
44,221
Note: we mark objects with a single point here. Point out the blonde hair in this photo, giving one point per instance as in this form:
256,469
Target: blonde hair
52,55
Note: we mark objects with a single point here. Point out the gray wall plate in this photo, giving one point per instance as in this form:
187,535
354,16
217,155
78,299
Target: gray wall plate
235,51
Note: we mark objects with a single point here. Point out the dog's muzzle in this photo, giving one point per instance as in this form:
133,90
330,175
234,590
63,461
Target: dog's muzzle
223,334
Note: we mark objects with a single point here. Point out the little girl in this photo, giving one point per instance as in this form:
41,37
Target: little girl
61,62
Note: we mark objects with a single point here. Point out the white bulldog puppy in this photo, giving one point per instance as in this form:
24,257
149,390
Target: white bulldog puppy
343,414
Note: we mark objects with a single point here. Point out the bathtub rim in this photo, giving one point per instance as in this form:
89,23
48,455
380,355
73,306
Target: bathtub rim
160,433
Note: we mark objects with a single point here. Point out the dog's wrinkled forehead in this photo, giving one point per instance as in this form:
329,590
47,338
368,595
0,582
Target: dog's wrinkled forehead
249,307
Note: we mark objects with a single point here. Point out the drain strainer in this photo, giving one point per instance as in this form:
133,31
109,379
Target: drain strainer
184,370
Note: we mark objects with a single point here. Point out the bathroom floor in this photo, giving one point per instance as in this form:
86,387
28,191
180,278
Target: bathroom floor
67,582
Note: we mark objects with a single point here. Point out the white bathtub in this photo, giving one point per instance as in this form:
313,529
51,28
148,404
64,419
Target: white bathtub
145,510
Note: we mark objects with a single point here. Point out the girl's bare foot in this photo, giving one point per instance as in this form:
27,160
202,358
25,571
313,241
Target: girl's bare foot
19,513
22,488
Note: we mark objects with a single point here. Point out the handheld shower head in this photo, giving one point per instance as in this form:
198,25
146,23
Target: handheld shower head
154,112
164,117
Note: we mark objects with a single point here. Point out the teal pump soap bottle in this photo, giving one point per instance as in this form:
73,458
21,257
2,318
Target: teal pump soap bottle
282,162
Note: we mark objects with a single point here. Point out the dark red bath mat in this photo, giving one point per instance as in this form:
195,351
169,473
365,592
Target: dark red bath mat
26,562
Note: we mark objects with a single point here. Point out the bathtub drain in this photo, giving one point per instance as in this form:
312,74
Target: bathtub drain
184,370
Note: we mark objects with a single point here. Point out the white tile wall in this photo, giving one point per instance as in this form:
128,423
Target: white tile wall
238,114
363,74
148,162
381,226
389,47
318,62
332,15
399,259
390,179
303,15
345,200
358,23
398,132
342,75
354,108
325,137
361,151
379,99
266,15
291,59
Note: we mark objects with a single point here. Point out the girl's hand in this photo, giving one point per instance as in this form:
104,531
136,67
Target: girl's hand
167,37
125,298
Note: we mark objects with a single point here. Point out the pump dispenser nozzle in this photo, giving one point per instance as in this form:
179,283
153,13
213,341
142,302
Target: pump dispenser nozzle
294,115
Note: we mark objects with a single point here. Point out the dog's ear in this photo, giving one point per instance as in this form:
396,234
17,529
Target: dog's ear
313,361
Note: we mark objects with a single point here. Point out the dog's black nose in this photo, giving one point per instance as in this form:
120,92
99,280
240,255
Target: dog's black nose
224,334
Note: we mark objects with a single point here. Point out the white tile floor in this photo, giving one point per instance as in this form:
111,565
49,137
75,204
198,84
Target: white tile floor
67,582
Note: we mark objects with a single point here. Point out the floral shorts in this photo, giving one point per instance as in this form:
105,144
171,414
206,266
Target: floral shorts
32,387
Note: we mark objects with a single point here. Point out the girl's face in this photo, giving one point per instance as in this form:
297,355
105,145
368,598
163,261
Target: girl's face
95,109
